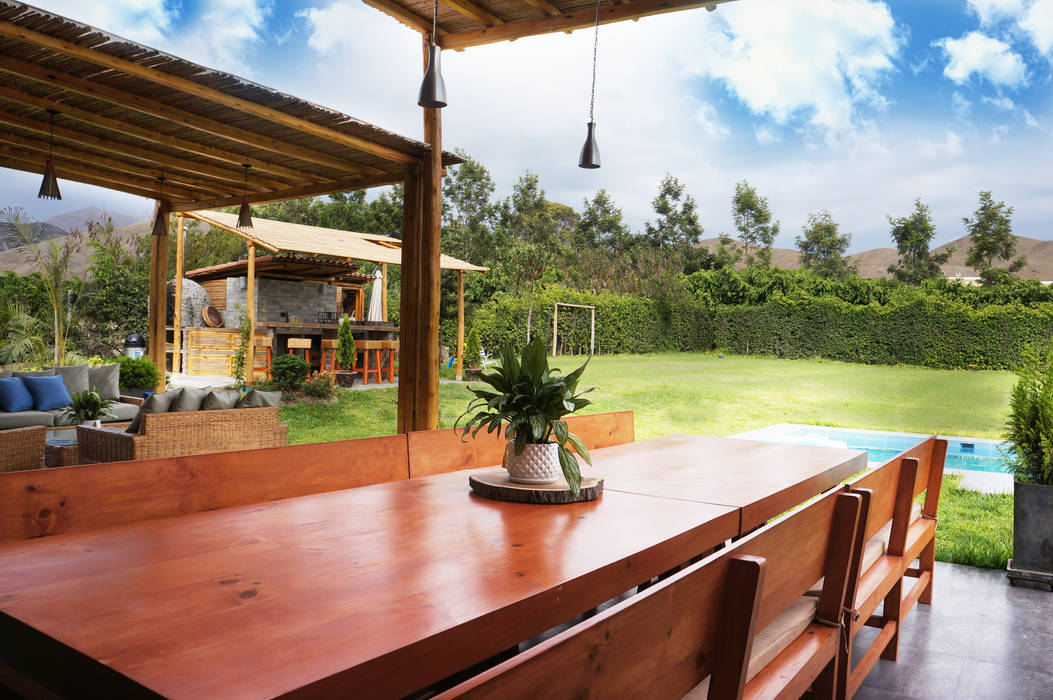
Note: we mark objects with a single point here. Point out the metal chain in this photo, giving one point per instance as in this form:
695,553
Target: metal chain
434,21
595,45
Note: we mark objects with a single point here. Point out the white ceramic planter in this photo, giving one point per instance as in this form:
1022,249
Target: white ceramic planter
536,464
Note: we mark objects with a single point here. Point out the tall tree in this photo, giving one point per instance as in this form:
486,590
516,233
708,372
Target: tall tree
677,225
601,224
913,235
991,231
753,219
468,212
823,247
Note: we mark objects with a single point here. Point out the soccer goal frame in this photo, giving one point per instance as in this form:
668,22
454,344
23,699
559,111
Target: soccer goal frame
555,325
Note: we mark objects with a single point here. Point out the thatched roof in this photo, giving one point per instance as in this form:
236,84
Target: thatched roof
128,113
288,266
283,237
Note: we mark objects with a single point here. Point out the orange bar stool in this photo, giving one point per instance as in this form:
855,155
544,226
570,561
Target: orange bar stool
329,346
368,347
301,344
262,342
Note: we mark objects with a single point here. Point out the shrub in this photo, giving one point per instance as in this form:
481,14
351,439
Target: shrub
473,355
321,386
242,352
86,406
346,354
289,372
1030,425
138,372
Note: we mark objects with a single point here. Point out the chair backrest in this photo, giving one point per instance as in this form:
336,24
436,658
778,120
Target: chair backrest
330,343
885,481
300,343
75,499
441,451
664,641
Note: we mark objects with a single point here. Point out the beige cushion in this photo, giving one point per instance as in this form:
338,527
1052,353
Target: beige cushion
770,641
105,379
121,412
25,419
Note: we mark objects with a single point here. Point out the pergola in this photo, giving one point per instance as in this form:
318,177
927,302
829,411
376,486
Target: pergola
125,115
312,252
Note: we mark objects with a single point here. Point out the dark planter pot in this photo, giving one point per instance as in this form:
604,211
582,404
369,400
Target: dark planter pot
345,378
1032,533
471,374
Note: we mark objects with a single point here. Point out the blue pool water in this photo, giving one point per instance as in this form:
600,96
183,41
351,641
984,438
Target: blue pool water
970,454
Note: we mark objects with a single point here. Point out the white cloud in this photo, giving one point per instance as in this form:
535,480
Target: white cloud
766,135
991,10
709,120
144,21
756,49
1031,121
961,106
1001,103
998,133
950,147
225,34
1038,23
990,58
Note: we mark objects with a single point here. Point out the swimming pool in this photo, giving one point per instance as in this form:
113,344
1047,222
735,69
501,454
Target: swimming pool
968,454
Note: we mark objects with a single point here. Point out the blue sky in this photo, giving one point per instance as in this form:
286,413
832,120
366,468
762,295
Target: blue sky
855,106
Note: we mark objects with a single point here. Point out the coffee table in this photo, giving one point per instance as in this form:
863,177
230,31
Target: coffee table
60,445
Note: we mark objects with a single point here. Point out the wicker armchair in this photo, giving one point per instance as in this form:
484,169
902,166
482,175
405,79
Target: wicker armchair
22,448
185,433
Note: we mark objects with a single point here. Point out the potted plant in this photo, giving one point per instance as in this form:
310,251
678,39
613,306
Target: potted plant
529,401
86,408
473,356
346,353
1029,431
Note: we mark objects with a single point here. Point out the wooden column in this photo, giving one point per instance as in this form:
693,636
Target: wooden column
384,291
555,326
250,301
158,301
427,369
460,325
177,314
409,300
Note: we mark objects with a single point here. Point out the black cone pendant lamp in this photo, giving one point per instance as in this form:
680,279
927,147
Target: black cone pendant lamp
245,213
433,88
49,187
161,217
590,151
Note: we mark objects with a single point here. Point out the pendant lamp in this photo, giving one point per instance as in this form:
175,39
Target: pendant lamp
161,217
49,188
590,152
245,213
433,88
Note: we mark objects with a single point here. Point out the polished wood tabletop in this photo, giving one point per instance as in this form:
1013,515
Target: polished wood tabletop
764,479
371,592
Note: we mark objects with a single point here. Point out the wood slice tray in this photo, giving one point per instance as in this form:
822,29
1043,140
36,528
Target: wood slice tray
495,485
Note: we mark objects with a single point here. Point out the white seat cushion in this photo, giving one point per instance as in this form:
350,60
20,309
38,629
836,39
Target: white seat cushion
770,641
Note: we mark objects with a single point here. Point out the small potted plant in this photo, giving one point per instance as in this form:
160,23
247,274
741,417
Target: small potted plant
346,353
529,400
1029,431
87,408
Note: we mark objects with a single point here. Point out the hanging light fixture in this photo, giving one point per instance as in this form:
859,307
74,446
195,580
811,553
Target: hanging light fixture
161,217
245,213
433,88
590,151
49,188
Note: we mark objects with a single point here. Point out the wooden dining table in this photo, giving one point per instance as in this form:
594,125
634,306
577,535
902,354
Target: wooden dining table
374,591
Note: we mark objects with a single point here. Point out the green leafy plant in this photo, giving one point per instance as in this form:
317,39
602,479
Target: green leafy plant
473,351
346,354
321,385
87,406
138,372
241,353
1029,428
530,401
289,372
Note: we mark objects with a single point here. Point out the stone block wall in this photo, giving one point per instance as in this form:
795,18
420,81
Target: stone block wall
301,300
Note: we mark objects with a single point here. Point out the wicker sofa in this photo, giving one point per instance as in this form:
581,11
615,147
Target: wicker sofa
180,433
22,448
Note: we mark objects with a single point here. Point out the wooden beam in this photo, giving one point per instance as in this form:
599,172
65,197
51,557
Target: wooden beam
407,17
250,301
158,299
177,307
585,17
32,167
472,11
151,107
427,417
191,87
234,174
544,7
460,325
409,300
345,185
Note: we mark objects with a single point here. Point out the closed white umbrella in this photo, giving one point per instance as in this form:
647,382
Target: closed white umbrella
376,300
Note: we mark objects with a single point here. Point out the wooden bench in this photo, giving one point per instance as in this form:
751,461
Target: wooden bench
897,531
441,451
733,625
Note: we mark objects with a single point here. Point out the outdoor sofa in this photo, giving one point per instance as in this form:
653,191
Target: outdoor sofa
104,379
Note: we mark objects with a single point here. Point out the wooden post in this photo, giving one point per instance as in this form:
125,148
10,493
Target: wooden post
250,301
158,301
408,298
555,318
460,325
384,290
592,339
427,369
177,314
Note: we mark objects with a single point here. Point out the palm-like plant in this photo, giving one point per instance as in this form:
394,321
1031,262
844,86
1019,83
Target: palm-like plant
26,339
1029,428
87,406
530,400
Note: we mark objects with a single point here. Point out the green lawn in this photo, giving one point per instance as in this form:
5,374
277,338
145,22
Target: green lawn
706,394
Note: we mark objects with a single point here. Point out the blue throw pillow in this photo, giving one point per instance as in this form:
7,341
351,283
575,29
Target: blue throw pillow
14,396
48,392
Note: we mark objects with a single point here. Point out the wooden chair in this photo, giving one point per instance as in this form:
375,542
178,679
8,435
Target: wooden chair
329,360
896,532
264,342
300,344
733,625
377,348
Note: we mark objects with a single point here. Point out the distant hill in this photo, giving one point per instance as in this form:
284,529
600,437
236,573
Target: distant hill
79,219
875,262
9,241
12,259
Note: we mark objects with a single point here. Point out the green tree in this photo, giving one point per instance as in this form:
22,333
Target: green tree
913,235
601,224
677,224
116,292
468,212
823,248
51,258
753,219
991,231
